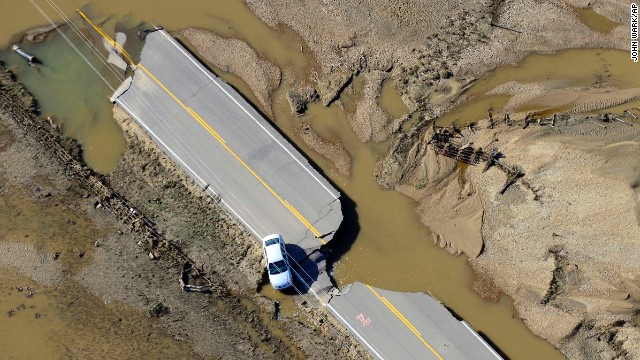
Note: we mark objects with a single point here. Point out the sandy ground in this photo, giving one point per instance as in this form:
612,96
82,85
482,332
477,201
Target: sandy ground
563,242
46,212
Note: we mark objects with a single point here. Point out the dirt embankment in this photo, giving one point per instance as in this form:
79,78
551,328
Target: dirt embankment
562,241
135,257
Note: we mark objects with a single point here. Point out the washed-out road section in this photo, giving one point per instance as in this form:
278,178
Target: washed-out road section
240,160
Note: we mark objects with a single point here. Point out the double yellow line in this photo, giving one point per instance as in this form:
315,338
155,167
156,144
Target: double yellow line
407,323
207,127
295,212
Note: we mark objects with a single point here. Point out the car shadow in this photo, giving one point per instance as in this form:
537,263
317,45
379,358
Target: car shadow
349,229
306,267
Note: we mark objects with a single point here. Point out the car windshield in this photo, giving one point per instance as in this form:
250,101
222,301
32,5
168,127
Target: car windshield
271,242
278,267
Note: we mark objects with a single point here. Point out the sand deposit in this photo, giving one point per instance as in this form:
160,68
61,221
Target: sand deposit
569,250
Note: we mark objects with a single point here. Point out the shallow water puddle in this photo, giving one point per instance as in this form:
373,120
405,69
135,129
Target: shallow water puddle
67,90
594,20
22,314
63,321
474,110
391,102
47,223
598,68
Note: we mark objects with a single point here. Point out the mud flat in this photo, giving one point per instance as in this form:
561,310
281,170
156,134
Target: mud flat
131,260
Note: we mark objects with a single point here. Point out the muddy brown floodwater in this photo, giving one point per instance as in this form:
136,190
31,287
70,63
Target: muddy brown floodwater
387,245
391,102
594,20
598,68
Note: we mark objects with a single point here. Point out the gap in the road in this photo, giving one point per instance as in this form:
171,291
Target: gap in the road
382,241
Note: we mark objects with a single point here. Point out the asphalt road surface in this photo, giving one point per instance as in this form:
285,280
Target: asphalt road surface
237,157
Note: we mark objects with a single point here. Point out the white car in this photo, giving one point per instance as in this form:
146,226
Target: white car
278,267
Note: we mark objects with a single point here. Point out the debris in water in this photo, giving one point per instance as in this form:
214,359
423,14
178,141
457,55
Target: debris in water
32,59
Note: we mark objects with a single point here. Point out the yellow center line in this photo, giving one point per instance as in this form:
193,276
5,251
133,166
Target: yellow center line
107,37
405,321
209,129
399,314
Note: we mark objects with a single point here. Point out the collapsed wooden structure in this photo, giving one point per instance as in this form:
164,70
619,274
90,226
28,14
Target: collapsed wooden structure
449,142
445,142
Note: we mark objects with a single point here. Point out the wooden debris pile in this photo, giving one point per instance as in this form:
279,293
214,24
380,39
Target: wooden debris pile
450,142
447,142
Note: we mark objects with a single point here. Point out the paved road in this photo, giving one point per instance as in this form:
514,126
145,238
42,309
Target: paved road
236,156
217,137
408,325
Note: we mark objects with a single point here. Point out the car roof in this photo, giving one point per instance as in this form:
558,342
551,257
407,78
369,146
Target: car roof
274,253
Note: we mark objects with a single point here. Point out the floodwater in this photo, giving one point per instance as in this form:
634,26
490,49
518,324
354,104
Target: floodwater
478,109
598,68
66,87
594,21
391,102
67,90
387,245
62,321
